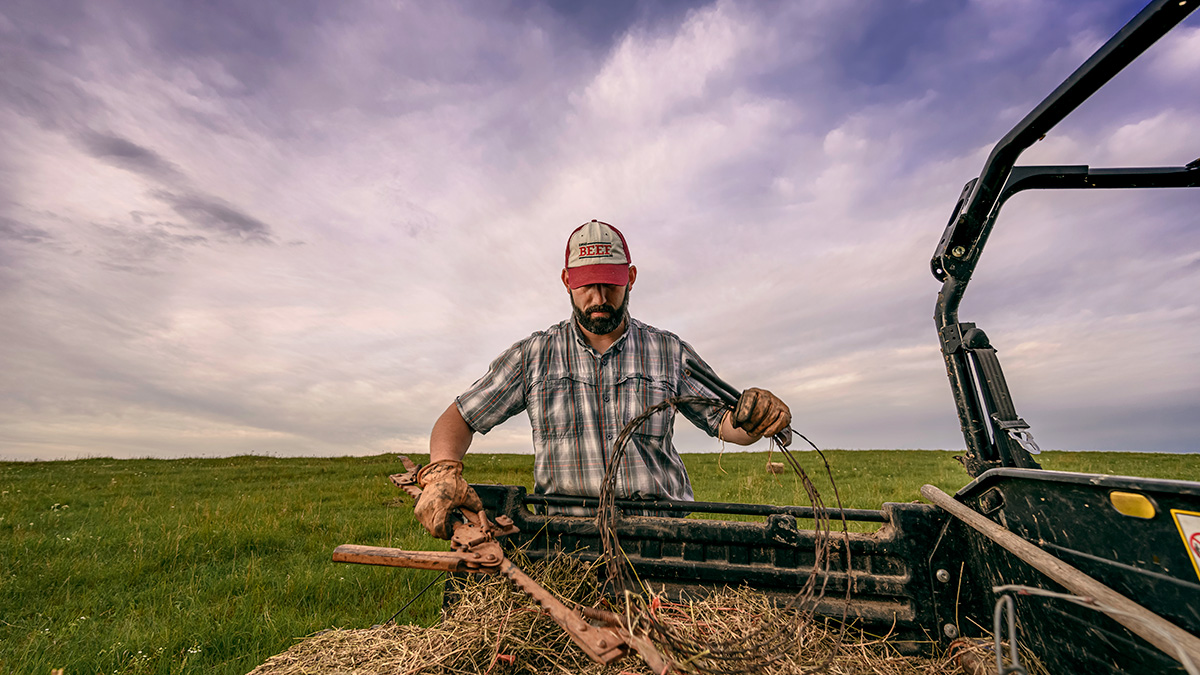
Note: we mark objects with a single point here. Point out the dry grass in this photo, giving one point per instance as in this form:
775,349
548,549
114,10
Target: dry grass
495,629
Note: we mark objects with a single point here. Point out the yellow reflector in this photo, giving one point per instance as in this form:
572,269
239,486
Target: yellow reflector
1132,504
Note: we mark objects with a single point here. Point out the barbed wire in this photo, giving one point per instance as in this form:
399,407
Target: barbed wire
743,653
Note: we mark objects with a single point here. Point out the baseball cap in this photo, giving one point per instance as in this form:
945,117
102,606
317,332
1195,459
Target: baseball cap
596,254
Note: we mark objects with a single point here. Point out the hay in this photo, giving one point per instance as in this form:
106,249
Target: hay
497,630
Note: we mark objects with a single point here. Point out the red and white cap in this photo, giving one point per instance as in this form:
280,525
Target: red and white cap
596,254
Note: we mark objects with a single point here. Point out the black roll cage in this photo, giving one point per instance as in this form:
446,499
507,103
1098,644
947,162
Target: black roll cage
995,435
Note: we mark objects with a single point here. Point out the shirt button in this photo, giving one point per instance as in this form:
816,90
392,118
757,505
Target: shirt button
610,437
606,397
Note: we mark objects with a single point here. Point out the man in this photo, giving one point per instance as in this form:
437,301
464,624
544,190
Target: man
581,381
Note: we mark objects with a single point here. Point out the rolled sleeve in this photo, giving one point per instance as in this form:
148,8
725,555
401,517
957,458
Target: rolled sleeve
498,395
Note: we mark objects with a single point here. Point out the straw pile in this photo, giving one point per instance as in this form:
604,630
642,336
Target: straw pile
495,629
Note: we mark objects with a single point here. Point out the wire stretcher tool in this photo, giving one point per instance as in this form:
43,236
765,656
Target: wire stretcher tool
604,636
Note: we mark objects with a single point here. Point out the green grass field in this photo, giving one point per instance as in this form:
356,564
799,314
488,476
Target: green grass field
213,565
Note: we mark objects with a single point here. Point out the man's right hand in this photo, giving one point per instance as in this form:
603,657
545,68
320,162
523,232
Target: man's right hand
761,413
443,490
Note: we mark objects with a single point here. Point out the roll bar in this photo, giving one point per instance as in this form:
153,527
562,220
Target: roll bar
994,434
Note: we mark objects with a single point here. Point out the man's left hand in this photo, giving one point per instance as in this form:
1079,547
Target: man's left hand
443,490
761,413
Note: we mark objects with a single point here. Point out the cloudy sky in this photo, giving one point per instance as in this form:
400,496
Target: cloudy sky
303,227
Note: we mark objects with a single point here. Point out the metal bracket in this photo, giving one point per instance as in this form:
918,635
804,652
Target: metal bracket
1018,431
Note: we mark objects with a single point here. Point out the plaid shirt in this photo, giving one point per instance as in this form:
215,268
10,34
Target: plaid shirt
579,400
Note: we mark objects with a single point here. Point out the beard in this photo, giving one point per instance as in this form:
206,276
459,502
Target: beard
602,325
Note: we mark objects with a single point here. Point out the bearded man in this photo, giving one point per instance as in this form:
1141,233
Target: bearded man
581,381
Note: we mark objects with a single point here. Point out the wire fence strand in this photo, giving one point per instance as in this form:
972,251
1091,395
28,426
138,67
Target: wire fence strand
736,654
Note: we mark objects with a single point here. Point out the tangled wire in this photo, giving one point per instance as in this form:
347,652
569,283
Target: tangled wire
742,653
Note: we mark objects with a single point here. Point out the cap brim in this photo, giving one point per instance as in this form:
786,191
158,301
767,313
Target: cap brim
586,275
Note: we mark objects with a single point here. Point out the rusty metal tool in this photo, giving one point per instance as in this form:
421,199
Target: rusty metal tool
474,548
701,373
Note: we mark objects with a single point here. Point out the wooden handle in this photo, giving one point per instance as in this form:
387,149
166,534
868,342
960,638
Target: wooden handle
450,561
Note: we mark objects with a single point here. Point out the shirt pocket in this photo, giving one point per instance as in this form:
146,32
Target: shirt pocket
637,393
556,407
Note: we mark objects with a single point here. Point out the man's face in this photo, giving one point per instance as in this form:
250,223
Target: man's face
600,309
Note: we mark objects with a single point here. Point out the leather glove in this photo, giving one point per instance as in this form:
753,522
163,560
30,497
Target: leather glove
761,413
442,490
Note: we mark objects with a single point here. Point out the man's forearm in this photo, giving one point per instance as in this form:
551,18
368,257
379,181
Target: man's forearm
451,436
731,434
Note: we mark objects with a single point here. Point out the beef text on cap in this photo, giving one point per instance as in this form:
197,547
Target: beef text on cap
597,254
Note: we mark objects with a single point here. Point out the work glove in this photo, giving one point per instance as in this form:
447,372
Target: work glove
761,413
442,490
